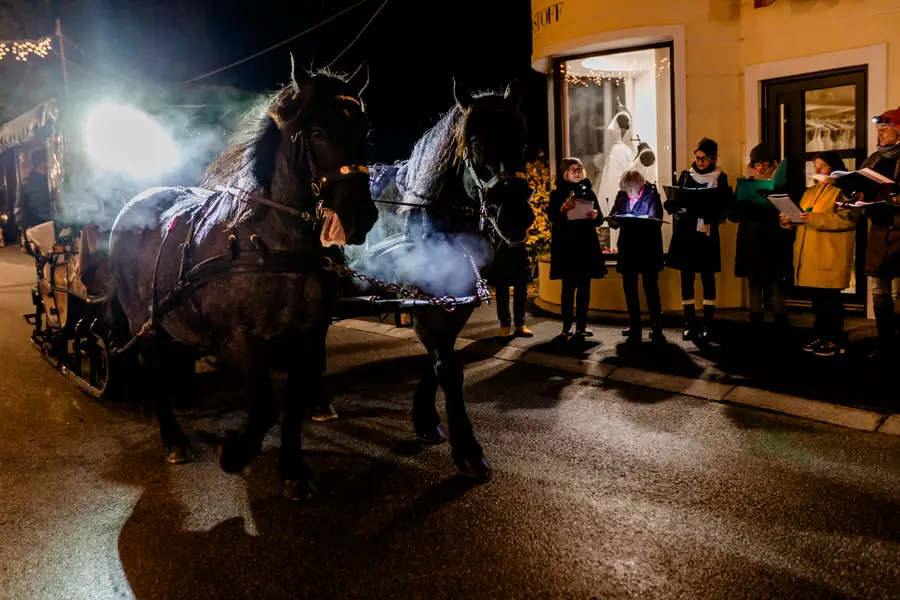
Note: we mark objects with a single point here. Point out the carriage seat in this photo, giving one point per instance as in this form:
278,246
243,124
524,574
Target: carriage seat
82,273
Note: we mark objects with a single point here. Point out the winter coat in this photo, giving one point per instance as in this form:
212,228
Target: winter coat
823,249
691,250
575,250
883,243
764,248
640,240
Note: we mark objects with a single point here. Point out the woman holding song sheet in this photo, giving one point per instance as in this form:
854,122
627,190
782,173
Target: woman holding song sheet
575,253
823,254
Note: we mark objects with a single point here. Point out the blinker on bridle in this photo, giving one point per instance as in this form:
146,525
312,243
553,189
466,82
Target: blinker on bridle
343,172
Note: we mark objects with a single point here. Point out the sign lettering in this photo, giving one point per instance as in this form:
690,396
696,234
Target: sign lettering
545,17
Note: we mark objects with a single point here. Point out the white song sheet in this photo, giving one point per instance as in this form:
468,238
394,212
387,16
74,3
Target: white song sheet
581,210
785,205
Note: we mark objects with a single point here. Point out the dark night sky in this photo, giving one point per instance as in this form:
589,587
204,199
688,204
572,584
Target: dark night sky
413,47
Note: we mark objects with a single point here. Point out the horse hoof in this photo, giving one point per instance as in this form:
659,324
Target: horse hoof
179,454
433,435
477,468
234,457
298,489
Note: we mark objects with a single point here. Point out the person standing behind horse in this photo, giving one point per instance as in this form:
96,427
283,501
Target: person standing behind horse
638,212
511,269
575,253
695,237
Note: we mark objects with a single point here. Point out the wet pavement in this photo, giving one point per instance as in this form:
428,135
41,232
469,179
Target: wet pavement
600,490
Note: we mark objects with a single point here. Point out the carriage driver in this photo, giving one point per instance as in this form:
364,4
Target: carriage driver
33,204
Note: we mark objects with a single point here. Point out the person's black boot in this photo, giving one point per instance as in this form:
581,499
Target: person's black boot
709,314
690,322
656,333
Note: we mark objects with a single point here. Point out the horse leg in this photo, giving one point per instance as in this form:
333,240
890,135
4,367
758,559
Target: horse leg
425,419
155,351
303,388
246,358
438,330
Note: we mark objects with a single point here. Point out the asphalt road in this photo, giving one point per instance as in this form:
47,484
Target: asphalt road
600,490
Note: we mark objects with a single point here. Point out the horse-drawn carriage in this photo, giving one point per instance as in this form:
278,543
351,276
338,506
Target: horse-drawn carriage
68,293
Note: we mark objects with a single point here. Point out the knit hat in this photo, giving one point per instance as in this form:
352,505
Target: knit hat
889,117
760,154
567,162
832,159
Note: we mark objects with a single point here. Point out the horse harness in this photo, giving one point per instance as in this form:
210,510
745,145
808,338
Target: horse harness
235,262
265,260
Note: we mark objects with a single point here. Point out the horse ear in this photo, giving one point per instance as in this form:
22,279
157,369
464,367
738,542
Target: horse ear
298,75
514,92
462,95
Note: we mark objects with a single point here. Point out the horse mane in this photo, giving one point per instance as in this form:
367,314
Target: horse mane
433,158
248,164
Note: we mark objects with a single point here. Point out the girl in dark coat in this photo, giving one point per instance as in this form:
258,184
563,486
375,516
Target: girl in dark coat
575,253
695,237
638,212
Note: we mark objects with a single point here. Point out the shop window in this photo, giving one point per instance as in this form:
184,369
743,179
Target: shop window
615,114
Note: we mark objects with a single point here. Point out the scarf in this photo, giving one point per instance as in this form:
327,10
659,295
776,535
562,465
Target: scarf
710,179
892,151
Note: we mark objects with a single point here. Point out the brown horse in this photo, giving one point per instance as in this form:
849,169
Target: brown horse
236,269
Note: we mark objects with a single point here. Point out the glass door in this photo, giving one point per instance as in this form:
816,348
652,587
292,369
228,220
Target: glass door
811,113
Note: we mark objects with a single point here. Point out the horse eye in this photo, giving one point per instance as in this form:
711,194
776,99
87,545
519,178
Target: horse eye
318,134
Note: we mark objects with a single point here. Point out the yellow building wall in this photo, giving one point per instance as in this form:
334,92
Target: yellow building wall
791,29
713,105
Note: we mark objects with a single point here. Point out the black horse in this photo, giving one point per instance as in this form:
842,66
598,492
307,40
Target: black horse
236,268
442,213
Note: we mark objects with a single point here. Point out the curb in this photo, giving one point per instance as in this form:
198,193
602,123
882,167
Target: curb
814,410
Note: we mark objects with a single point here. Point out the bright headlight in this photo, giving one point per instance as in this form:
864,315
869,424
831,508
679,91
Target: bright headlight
124,139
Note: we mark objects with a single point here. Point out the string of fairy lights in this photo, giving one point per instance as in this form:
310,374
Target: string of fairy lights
22,50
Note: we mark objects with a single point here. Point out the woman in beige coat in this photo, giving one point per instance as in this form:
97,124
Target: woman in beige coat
823,255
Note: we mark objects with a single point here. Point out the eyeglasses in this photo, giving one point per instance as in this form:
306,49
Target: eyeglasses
701,157
575,169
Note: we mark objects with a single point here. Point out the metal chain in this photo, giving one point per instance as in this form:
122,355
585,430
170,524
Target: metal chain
448,303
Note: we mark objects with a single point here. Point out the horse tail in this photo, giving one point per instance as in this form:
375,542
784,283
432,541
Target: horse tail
117,326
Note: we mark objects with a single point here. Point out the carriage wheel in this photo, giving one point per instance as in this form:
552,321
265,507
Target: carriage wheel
100,367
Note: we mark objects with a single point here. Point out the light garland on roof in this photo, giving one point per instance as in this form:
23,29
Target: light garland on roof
24,49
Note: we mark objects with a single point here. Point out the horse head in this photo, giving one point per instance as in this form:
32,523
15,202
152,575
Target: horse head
323,129
491,147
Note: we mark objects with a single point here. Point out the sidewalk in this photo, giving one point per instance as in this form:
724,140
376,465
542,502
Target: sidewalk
782,378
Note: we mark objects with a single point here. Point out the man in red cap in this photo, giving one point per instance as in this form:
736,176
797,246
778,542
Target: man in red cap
883,245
